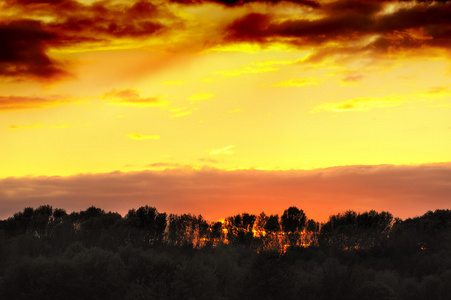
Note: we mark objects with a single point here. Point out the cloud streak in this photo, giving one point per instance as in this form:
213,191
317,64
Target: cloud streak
405,191
255,68
180,114
297,82
200,97
368,103
140,137
359,104
130,97
225,150
38,126
23,102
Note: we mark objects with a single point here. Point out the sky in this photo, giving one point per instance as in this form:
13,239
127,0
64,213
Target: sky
219,107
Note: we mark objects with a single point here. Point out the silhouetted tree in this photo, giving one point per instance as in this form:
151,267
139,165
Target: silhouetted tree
293,222
94,227
356,231
19,223
147,225
312,231
187,230
312,226
40,220
216,231
272,224
260,222
239,228
431,232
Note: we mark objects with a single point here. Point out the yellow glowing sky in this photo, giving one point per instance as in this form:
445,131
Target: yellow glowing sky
192,97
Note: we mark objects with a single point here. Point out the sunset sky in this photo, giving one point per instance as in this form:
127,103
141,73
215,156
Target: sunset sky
221,107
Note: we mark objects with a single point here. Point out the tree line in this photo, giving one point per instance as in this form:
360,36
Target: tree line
46,253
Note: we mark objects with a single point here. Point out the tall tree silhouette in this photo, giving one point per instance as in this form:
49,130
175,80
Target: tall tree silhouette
293,222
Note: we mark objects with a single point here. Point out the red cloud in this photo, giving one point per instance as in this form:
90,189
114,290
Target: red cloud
405,191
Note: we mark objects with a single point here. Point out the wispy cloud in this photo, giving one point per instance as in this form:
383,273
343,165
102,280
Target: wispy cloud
131,97
38,126
359,104
173,82
209,160
200,97
180,114
252,69
23,102
266,63
257,67
368,103
297,82
225,150
353,77
167,165
137,136
444,90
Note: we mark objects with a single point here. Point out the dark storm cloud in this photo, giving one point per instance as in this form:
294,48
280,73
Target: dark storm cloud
103,22
231,3
28,2
22,51
421,24
337,26
25,42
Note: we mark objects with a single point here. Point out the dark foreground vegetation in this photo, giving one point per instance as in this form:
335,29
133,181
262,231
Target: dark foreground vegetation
46,253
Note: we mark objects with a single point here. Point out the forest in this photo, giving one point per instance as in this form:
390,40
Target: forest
47,253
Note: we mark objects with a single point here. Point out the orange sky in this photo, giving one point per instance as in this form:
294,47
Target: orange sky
259,89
